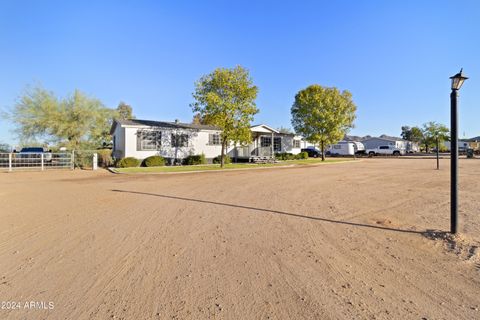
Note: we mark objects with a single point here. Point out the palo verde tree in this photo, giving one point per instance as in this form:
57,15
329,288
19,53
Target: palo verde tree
225,98
76,121
323,115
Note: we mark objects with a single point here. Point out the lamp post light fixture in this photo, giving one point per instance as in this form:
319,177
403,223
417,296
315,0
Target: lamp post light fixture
457,82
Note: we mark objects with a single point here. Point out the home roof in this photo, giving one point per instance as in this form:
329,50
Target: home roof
163,124
268,128
166,124
474,139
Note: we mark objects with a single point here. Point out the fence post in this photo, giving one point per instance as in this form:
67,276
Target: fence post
72,158
9,162
41,161
95,161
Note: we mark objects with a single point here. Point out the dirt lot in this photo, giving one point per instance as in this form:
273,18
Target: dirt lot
337,241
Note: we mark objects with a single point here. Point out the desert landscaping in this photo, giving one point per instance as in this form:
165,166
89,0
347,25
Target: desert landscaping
349,240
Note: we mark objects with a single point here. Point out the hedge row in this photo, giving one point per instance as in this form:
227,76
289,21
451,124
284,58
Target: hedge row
158,161
291,156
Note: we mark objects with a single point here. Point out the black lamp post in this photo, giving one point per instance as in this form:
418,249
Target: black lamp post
457,82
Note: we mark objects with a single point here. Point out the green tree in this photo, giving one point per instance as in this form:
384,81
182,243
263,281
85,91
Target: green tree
226,98
197,119
406,133
76,121
416,134
413,134
124,111
5,147
285,130
323,115
434,134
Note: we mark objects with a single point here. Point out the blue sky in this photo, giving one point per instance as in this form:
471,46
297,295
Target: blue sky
394,56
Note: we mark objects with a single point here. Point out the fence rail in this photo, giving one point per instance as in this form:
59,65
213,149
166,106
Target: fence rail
36,161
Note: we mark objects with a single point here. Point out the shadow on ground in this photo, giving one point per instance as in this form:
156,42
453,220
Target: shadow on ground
354,224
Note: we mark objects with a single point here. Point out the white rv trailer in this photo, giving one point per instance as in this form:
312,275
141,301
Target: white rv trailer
360,147
346,148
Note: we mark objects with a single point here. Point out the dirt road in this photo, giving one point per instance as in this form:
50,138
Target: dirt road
338,241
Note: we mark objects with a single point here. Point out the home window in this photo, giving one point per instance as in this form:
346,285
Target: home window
296,143
214,139
265,142
277,144
179,140
149,140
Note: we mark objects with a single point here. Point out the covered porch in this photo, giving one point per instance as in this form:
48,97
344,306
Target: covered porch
266,141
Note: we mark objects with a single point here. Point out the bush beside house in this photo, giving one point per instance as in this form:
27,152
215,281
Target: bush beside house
154,161
302,155
128,162
291,156
195,159
105,158
83,159
218,159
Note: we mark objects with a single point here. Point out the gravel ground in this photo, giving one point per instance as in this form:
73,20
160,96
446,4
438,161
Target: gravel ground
355,240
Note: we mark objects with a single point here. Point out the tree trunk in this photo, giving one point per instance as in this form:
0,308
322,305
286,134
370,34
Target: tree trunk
235,153
222,155
322,146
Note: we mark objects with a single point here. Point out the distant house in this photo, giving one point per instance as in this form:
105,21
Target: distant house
463,144
374,142
175,140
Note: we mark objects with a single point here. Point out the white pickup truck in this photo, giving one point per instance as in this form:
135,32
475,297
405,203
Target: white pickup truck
385,150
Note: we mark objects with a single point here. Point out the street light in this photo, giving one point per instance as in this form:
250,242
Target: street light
457,82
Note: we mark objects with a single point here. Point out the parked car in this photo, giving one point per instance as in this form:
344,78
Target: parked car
385,150
34,152
313,153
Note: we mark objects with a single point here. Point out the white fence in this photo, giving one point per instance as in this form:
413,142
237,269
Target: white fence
36,161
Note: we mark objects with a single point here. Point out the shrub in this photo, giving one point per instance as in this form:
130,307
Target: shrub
127,163
83,159
196,159
105,158
154,161
217,159
302,155
443,148
285,156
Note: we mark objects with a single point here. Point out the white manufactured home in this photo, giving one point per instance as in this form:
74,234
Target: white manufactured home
175,140
375,142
